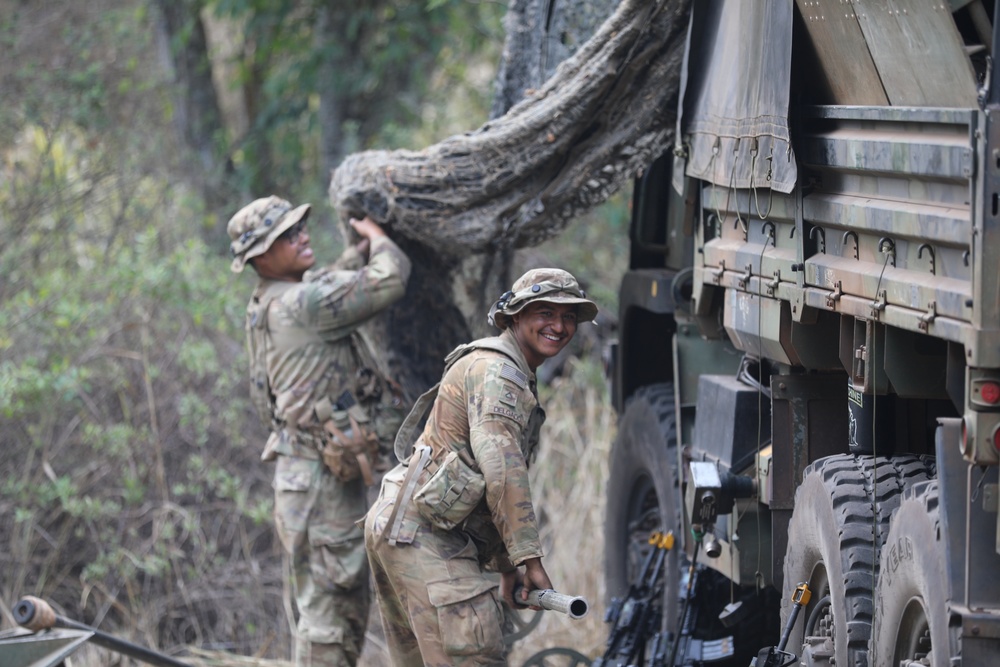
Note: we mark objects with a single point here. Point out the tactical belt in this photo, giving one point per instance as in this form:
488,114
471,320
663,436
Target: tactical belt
421,453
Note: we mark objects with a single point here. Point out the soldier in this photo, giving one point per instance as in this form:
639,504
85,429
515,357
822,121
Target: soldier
315,381
459,505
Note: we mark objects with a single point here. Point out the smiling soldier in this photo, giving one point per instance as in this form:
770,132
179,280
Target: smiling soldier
459,505
307,353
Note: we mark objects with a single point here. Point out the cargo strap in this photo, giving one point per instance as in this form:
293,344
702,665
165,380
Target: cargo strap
422,454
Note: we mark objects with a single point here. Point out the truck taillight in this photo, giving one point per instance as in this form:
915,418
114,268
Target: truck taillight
990,392
980,438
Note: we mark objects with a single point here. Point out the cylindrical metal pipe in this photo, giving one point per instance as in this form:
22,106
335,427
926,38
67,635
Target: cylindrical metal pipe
573,606
35,614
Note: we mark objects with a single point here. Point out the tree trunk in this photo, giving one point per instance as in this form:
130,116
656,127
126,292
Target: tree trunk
521,63
198,117
540,35
606,113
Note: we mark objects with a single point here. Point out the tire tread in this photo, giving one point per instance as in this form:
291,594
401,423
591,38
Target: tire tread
864,493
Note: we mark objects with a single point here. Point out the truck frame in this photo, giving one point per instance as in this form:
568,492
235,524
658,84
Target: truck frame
807,371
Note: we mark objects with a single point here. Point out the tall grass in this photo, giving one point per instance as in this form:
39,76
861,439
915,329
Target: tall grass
568,484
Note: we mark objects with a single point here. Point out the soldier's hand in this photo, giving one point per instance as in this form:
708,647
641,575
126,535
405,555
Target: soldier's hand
366,228
508,580
535,578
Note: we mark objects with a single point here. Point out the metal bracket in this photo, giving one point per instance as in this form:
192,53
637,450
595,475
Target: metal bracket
772,285
888,246
928,317
851,234
878,305
767,229
745,278
822,238
832,299
930,251
717,273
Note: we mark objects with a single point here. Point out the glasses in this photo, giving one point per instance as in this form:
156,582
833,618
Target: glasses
292,233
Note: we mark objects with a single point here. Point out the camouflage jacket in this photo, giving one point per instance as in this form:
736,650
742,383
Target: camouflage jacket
301,339
487,403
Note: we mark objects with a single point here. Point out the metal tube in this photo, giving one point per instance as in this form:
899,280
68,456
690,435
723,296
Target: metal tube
573,606
36,614
788,627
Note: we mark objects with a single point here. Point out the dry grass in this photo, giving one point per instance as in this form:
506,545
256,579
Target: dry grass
568,489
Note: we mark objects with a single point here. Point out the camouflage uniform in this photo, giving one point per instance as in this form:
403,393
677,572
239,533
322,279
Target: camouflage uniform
437,604
303,343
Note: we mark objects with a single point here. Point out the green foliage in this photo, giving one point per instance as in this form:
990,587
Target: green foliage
380,64
115,387
567,482
595,248
121,333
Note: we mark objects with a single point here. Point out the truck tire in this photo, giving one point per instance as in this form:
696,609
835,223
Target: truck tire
911,617
838,526
642,493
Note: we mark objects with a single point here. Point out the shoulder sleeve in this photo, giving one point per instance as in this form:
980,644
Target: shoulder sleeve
505,393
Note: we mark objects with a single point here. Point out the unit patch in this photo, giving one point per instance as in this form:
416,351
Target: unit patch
508,395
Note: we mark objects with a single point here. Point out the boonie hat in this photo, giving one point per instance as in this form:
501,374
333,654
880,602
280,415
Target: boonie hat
255,227
553,285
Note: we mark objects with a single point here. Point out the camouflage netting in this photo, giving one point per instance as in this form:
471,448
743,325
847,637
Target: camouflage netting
518,180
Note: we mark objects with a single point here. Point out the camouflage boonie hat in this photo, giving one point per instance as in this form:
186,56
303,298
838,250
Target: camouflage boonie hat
553,285
255,227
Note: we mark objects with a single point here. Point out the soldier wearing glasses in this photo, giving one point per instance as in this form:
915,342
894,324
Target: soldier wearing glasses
306,355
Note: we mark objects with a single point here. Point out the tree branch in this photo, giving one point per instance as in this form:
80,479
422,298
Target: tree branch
608,111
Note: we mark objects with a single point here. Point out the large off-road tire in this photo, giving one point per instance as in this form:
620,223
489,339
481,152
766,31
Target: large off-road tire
642,493
911,614
838,526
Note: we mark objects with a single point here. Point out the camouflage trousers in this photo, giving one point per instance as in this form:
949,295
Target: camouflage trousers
315,515
438,607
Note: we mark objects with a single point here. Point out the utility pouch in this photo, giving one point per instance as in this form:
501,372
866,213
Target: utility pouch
350,452
451,493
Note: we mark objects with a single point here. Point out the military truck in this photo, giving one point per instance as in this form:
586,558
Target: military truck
807,371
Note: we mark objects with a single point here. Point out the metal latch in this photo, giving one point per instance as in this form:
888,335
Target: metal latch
878,305
832,299
928,317
717,273
772,285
